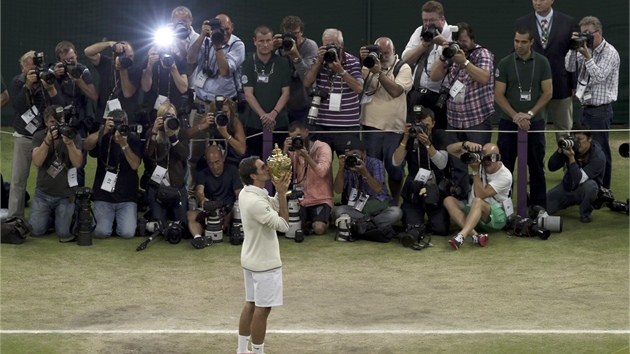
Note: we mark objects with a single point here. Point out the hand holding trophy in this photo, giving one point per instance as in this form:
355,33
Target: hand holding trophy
281,171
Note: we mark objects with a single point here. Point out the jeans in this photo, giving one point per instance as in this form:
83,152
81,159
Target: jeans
44,207
600,118
125,214
584,196
382,146
160,211
385,218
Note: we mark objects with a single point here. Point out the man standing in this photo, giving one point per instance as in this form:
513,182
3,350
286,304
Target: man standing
488,199
337,75
312,171
422,51
470,103
384,107
597,65
552,33
584,164
262,216
301,55
182,15
218,55
522,89
266,83
30,95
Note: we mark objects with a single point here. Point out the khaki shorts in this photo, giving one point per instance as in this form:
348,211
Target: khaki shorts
264,289
497,218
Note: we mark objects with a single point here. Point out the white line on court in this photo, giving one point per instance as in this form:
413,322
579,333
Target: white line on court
318,331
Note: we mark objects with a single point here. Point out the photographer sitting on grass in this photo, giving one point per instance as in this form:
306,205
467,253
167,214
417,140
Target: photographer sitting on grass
362,179
489,195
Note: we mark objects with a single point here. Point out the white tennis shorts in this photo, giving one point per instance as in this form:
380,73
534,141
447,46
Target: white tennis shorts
264,289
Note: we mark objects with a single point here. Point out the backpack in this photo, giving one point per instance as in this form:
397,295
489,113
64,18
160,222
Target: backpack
14,230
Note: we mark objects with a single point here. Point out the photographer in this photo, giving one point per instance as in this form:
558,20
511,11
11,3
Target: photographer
336,74
362,179
116,180
266,79
422,51
56,154
232,133
489,202
30,95
312,174
466,69
218,182
76,85
167,147
183,15
301,55
384,105
522,89
119,80
164,77
596,63
584,161
427,163
218,56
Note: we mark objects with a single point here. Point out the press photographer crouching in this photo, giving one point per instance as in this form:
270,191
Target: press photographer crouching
116,183
489,203
362,179
427,184
167,147
56,154
584,161
220,183
312,175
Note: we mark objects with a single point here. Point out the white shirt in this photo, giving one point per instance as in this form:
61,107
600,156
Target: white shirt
501,181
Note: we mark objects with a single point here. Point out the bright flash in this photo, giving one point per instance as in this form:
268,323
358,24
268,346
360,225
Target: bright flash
164,37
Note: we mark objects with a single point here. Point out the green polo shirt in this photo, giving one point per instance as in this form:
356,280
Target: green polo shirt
531,73
267,81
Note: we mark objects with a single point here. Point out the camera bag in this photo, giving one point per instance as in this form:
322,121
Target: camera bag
14,230
168,194
366,229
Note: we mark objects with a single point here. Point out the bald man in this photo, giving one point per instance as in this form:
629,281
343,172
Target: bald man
384,106
489,202
218,182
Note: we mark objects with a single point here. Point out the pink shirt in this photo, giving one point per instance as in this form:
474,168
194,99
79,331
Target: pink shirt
318,182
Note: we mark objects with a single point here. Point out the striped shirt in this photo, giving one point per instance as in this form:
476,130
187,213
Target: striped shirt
477,100
600,74
328,81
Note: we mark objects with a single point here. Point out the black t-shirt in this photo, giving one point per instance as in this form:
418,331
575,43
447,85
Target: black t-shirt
127,182
72,93
438,140
109,87
222,187
163,78
55,186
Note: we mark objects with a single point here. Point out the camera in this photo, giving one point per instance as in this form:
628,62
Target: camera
84,230
373,56
471,157
568,143
452,49
170,121
429,32
295,222
585,37
125,61
180,31
527,227
604,196
315,102
174,232
332,52
448,188
295,195
297,143
65,130
147,227
46,74
71,68
344,224
218,33
621,207
287,40
166,57
443,97
416,237
214,224
120,127
544,220
352,161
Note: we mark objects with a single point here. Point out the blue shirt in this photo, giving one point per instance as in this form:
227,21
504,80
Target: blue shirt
234,52
377,170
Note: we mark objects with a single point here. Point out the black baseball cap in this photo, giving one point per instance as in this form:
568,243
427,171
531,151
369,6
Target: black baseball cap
355,144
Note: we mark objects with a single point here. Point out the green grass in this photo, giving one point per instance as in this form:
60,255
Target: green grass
577,280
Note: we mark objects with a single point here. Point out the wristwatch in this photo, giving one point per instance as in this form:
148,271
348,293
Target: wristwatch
428,146
474,173
297,60
531,114
466,63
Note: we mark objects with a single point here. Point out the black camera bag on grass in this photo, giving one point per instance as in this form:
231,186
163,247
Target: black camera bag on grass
14,230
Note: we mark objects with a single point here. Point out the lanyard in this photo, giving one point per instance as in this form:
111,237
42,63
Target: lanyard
263,70
518,76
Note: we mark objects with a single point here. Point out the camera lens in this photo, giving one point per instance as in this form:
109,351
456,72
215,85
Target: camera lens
221,119
470,157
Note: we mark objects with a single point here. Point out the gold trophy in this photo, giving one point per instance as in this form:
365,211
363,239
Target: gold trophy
278,163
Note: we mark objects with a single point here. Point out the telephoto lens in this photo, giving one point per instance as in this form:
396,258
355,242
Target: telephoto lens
471,157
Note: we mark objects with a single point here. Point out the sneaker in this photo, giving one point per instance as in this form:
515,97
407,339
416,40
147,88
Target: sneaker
480,239
201,242
586,218
457,241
